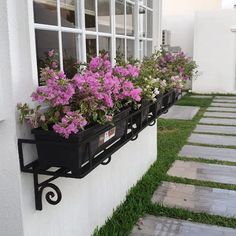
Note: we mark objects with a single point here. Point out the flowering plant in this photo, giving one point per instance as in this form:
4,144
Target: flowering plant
175,69
94,95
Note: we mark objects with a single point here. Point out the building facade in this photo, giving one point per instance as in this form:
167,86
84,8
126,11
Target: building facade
77,29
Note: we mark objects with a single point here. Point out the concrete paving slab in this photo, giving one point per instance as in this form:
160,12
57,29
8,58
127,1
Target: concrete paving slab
225,97
220,114
213,201
208,153
200,96
163,226
212,139
225,100
181,112
217,121
218,104
215,129
202,171
224,109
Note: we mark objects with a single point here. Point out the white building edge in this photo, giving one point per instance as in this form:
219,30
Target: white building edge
205,30
86,203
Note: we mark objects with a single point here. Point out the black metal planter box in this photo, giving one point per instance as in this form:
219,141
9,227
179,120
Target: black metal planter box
168,99
80,154
80,149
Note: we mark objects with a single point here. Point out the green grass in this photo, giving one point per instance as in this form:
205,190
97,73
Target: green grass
172,136
189,101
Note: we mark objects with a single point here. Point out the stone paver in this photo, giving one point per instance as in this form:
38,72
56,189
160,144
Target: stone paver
220,114
202,171
213,201
218,104
212,139
209,153
225,97
223,109
215,129
181,113
217,121
201,96
162,226
225,100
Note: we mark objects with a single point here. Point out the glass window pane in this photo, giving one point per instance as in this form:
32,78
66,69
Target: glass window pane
90,15
149,49
45,12
141,49
143,2
130,49
120,17
149,24
91,46
120,48
45,41
69,17
105,45
150,3
142,22
104,18
130,19
70,51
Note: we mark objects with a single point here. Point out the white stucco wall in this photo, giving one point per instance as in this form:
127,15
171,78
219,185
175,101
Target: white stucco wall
87,202
178,17
228,4
215,51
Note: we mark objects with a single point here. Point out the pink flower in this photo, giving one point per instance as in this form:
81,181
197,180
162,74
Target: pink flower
72,122
51,53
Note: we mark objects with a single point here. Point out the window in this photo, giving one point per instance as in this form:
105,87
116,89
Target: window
80,29
145,27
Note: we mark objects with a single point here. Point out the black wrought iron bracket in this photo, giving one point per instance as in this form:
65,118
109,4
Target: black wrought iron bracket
54,195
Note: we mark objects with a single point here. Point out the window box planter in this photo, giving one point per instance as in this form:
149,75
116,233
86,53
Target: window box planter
80,154
78,150
168,99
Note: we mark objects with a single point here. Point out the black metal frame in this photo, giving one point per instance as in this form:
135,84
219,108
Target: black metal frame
54,197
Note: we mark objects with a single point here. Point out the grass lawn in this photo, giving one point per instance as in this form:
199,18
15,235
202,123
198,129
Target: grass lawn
172,135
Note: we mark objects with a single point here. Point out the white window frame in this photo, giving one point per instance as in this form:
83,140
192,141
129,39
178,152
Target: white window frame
82,32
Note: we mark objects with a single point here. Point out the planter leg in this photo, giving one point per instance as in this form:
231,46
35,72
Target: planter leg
52,197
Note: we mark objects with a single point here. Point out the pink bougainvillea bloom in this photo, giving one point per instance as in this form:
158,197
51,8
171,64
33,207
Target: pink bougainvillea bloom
51,53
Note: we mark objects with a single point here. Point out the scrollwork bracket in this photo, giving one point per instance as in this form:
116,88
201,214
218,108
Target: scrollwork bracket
53,196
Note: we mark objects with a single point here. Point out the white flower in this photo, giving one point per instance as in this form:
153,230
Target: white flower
156,91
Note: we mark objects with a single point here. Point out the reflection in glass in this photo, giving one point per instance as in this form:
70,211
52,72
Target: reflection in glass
69,15
150,3
120,49
104,45
142,22
130,19
45,12
148,49
130,49
70,53
104,17
150,24
91,46
90,15
45,41
120,17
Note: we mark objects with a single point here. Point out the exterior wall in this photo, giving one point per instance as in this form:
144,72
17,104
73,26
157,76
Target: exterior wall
228,4
87,202
214,51
178,17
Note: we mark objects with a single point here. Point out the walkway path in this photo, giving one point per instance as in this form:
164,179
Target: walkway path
214,138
